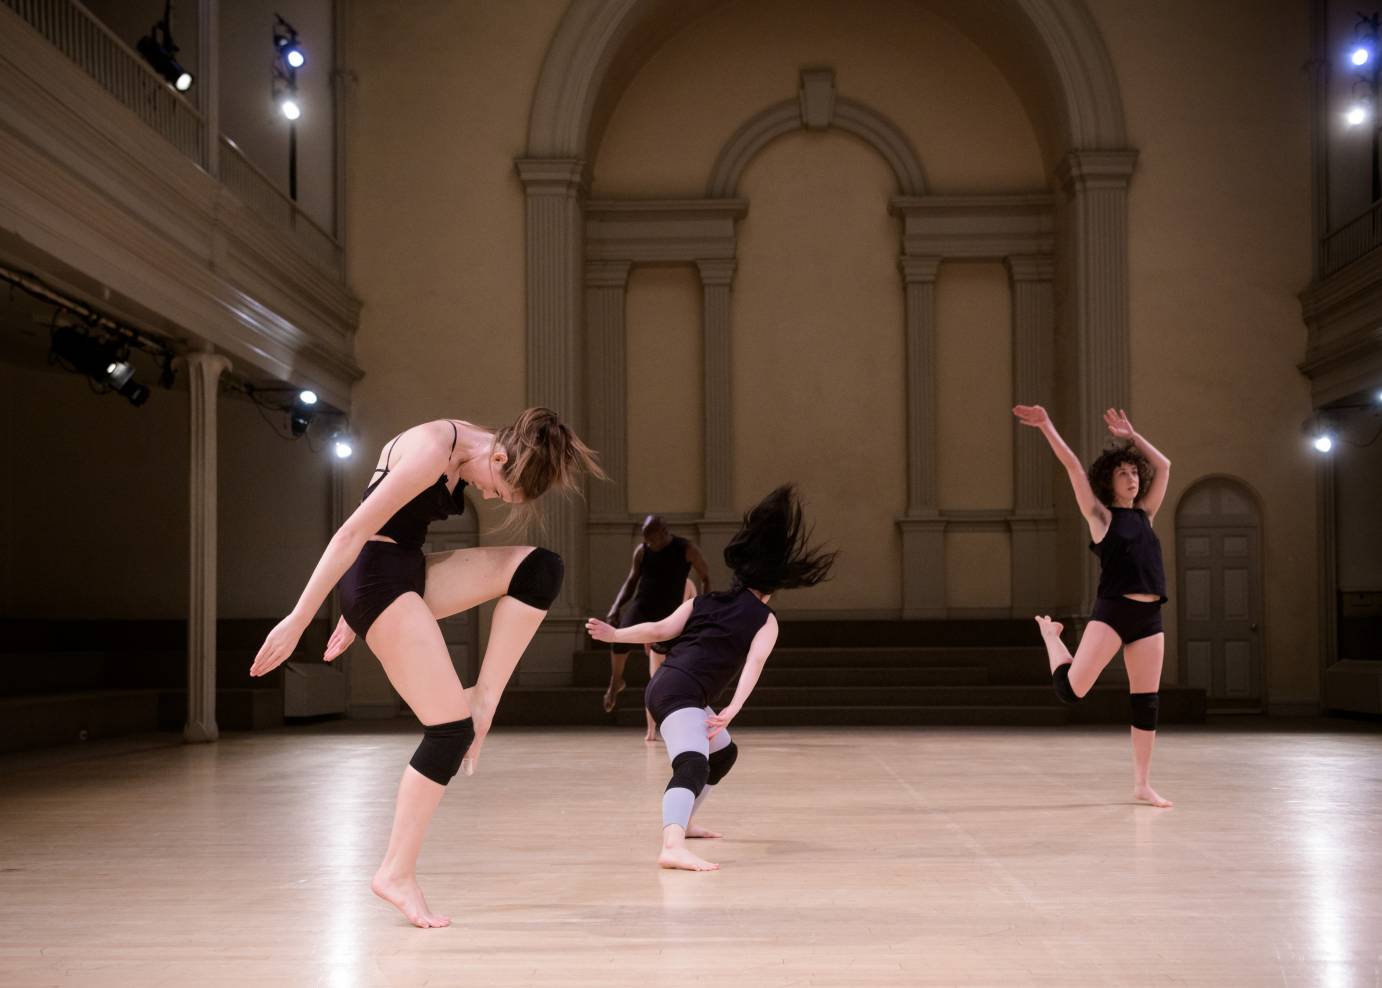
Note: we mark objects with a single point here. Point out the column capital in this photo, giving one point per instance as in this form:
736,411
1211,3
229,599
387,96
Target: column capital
553,176
918,268
717,271
206,362
607,274
1081,170
1030,267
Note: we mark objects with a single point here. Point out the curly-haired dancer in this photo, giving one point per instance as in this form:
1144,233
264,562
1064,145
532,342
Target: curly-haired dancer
394,595
715,633
1119,498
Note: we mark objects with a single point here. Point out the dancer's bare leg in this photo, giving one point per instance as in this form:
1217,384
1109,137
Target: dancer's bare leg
1096,650
616,679
1143,658
654,664
411,649
462,579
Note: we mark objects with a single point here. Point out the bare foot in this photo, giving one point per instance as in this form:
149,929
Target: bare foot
680,857
1049,627
650,737
1146,794
701,832
612,695
406,897
482,716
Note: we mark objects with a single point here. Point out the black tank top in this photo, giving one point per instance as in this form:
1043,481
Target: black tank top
1130,556
662,578
716,639
408,526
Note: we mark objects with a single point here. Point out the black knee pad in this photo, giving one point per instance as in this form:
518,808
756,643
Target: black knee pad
690,770
1145,707
721,762
443,746
537,580
1060,679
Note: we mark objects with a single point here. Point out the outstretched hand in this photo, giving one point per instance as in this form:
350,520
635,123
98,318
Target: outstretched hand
601,631
1033,415
1117,421
277,647
341,639
716,723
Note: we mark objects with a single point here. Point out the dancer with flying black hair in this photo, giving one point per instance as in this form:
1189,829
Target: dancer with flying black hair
714,634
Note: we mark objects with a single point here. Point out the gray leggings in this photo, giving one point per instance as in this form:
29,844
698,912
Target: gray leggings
684,731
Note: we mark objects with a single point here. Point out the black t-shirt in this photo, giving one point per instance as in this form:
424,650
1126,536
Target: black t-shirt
662,578
716,639
1130,556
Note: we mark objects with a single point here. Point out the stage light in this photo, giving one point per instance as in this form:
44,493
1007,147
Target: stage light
299,419
294,56
307,397
160,52
1360,55
289,108
134,392
343,446
1356,114
1323,443
104,361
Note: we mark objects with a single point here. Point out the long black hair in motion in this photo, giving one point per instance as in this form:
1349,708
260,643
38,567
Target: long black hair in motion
770,551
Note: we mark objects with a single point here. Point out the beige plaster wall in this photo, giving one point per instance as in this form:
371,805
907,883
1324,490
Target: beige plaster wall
666,393
896,57
1219,214
818,356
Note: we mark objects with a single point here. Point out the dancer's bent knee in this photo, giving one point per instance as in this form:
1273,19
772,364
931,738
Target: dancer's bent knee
1060,680
537,580
443,746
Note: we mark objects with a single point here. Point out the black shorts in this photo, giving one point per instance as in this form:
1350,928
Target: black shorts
381,574
671,690
1133,620
636,615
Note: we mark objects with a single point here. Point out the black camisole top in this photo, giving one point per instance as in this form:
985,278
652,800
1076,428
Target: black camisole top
662,578
1130,556
408,526
716,639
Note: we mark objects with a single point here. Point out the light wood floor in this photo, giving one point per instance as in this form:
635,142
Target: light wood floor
854,857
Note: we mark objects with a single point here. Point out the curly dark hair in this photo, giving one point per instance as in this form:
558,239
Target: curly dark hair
1101,471
770,551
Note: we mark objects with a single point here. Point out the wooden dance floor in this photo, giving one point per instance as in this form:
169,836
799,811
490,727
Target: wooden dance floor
853,857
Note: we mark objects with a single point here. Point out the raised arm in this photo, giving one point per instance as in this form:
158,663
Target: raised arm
645,633
759,650
630,582
1151,498
1096,515
421,454
697,561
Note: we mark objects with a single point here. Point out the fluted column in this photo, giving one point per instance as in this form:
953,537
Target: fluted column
1096,186
553,188
1096,183
923,529
719,521
606,383
203,374
1033,523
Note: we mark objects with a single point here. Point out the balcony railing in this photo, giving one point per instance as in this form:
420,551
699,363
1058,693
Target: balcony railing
1352,240
257,190
77,33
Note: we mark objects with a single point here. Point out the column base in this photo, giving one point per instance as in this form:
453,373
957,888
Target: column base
713,533
923,566
1035,563
199,732
550,657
